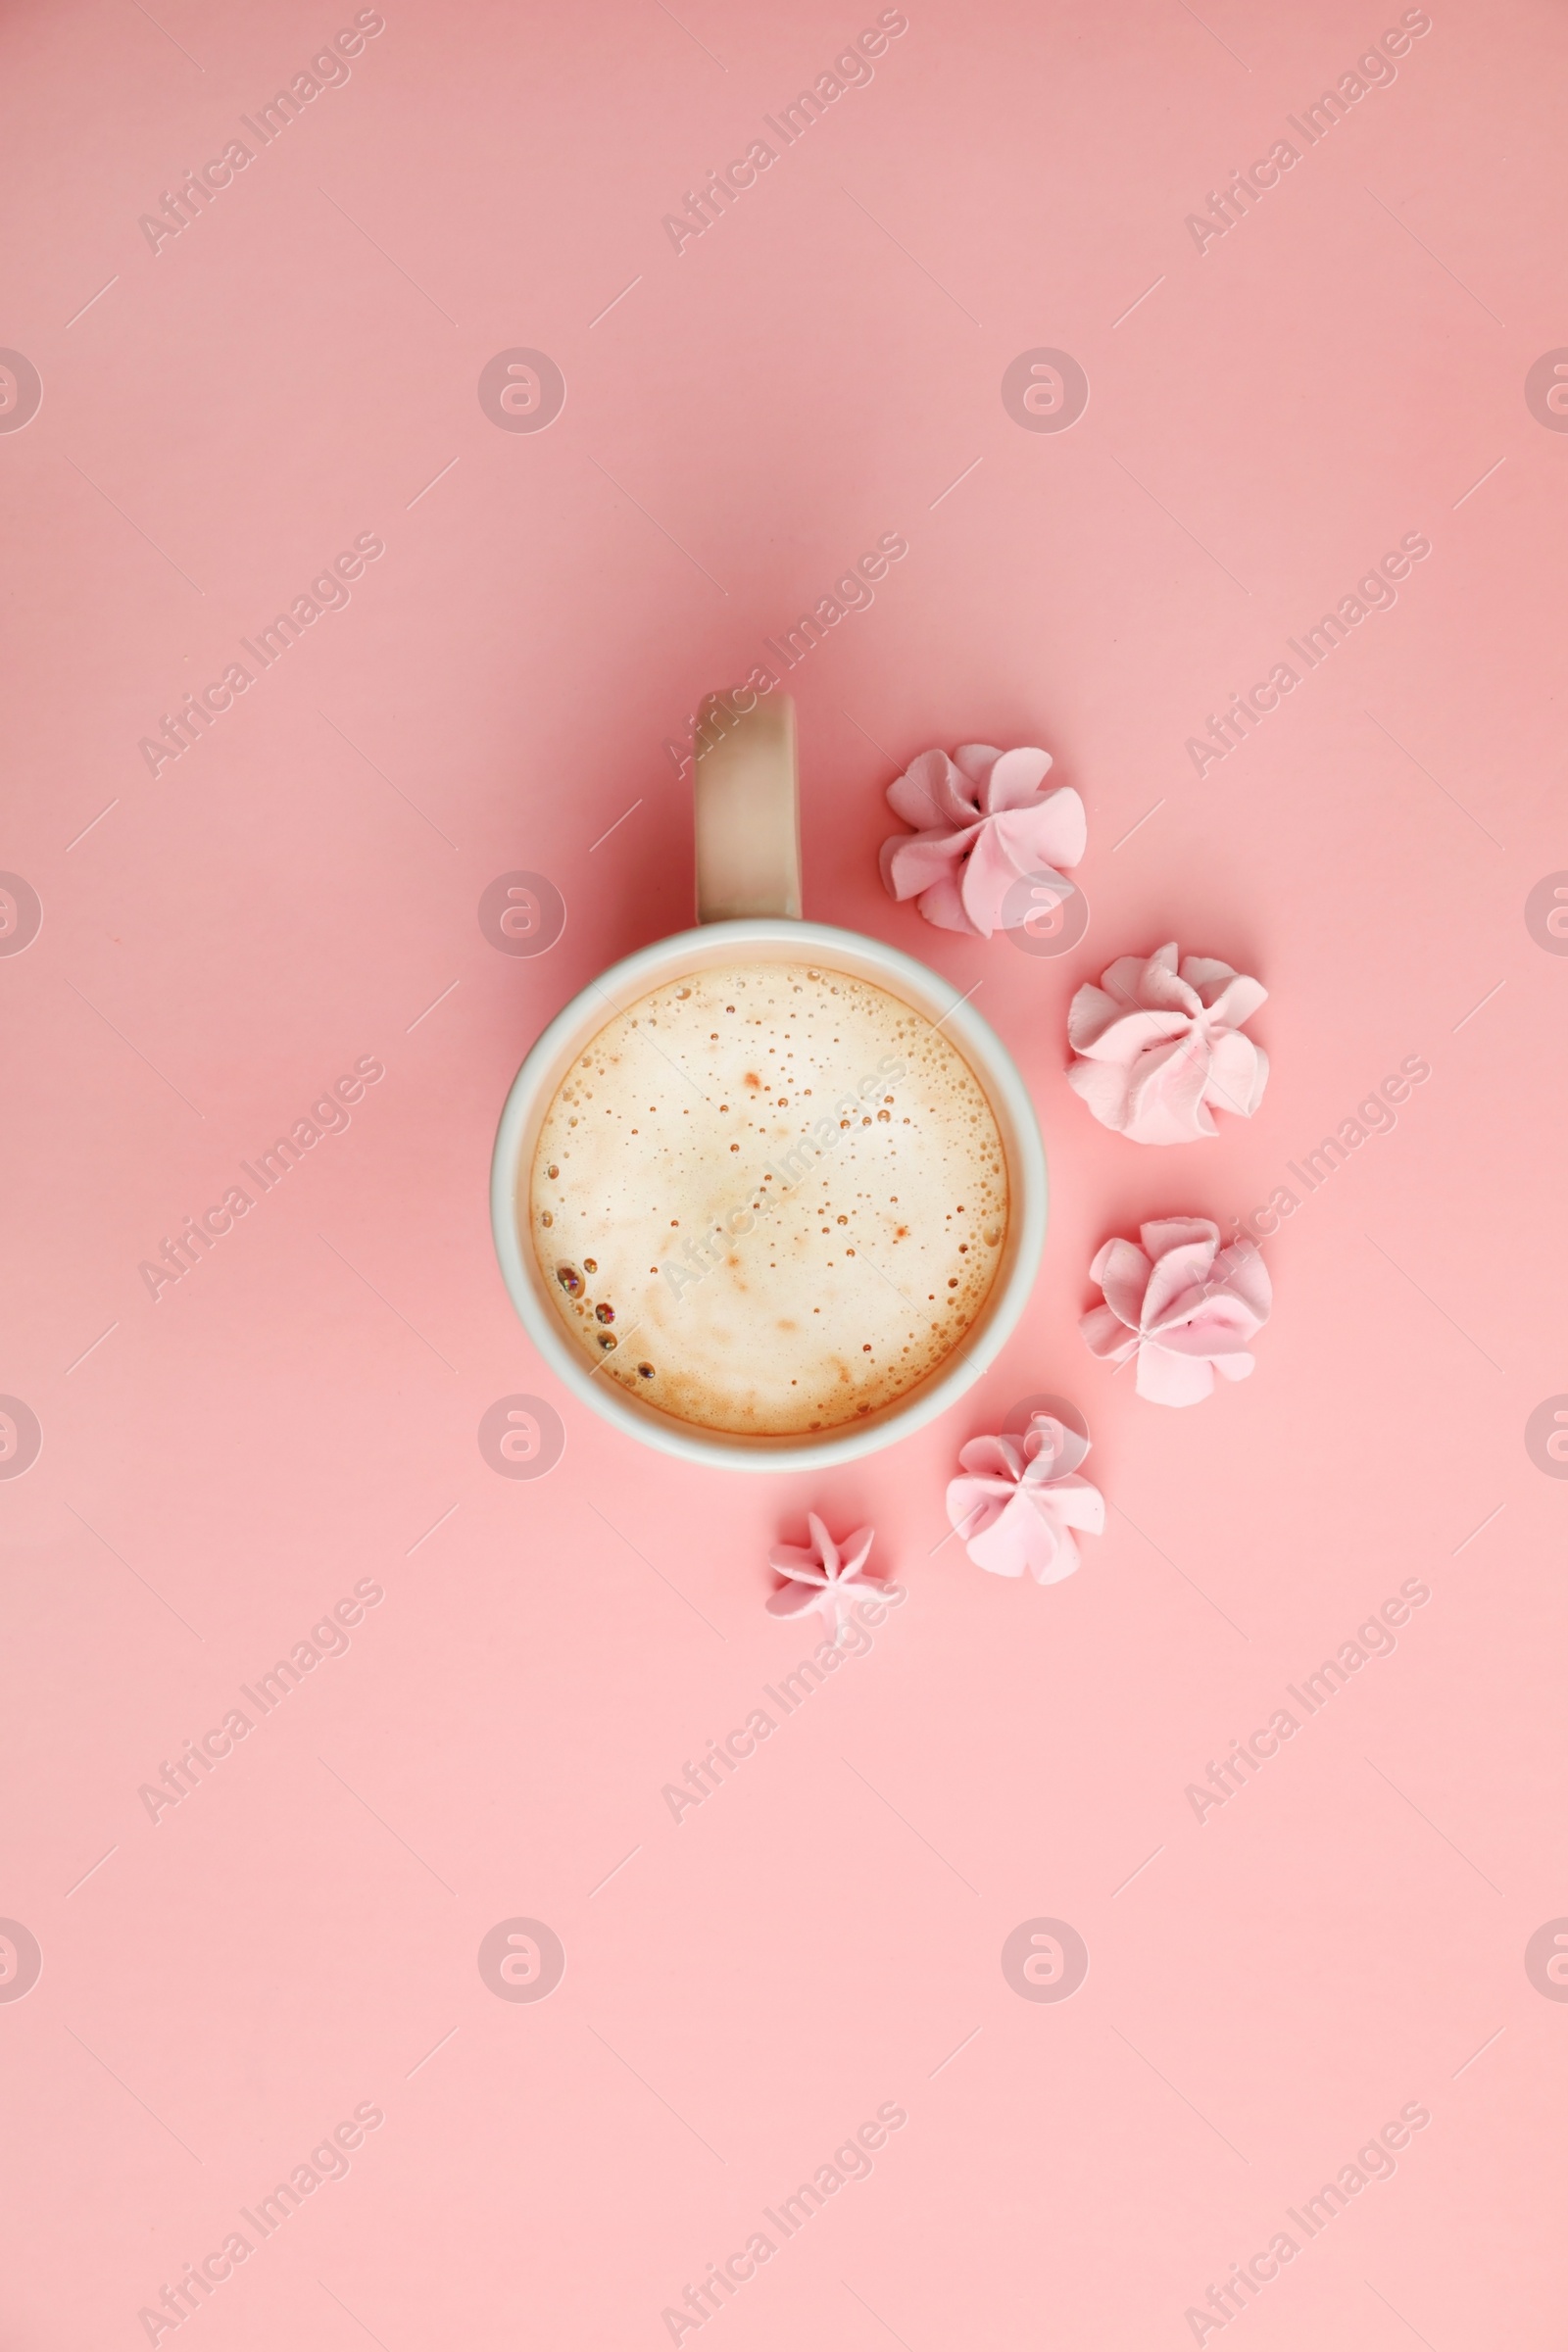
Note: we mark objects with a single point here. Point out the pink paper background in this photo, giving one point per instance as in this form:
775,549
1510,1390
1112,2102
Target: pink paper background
300,1933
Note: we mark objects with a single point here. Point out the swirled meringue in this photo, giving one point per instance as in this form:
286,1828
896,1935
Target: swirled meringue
1184,1307
1019,1500
981,823
824,1575
1158,1051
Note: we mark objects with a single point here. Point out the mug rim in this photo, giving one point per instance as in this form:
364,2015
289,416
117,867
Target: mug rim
862,956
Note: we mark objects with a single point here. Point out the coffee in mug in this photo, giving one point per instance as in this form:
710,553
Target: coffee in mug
769,1197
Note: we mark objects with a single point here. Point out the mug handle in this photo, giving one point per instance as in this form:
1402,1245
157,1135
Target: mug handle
748,812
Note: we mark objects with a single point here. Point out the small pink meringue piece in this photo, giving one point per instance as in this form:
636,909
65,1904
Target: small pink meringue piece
981,822
1183,1306
1159,1051
1020,1499
825,1575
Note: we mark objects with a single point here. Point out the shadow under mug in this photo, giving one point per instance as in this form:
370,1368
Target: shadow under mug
748,910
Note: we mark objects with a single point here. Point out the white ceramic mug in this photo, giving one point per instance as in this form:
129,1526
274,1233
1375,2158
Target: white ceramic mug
749,908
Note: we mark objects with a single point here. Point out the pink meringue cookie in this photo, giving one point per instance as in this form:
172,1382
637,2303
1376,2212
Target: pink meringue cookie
1183,1306
1020,1499
824,1575
1159,1051
981,823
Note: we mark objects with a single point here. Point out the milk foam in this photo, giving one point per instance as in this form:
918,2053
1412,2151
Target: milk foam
768,1199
